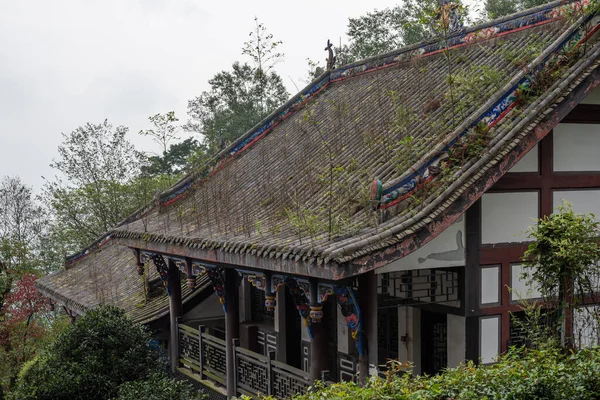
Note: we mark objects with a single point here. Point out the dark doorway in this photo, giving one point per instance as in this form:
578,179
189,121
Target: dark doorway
434,342
387,335
293,333
330,319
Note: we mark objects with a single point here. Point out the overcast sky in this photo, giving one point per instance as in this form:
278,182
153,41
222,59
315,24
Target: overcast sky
67,62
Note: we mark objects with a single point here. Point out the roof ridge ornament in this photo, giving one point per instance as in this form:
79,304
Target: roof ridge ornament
332,58
449,17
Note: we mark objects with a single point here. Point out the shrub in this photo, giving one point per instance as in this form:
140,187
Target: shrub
544,373
158,387
90,359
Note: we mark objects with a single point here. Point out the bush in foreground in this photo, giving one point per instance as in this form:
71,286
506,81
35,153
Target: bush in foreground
90,359
158,387
545,373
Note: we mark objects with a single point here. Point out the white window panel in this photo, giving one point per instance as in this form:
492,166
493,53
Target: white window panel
585,326
584,201
576,147
529,162
506,216
490,285
456,346
489,340
520,290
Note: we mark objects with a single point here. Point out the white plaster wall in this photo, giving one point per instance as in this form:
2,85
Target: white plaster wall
208,309
583,201
529,163
343,336
506,216
490,285
456,340
489,342
576,147
592,98
585,326
520,290
446,250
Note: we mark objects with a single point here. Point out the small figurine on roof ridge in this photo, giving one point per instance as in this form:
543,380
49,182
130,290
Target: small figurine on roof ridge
332,58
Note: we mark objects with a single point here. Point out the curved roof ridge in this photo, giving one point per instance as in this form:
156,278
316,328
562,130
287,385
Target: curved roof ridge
482,32
485,31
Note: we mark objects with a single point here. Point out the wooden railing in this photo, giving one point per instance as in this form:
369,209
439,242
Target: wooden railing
202,353
255,374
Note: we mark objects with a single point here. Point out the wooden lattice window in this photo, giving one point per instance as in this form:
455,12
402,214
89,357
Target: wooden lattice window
258,310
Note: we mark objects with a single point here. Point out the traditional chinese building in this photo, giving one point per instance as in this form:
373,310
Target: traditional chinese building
379,214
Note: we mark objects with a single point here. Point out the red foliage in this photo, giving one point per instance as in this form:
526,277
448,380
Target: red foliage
24,300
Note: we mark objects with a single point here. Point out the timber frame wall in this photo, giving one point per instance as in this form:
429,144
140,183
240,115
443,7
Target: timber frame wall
504,255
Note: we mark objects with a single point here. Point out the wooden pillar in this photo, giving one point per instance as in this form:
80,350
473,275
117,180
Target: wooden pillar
318,348
367,300
281,321
472,338
470,287
174,312
232,326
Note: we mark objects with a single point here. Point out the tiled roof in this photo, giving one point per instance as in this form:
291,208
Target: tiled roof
298,187
108,276
424,130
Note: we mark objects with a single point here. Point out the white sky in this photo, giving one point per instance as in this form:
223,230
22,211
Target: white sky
67,62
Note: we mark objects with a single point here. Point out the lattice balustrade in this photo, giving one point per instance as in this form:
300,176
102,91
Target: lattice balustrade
213,358
252,372
288,381
189,347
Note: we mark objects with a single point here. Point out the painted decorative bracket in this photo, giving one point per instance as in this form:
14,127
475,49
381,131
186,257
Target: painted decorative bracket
218,282
162,268
263,282
300,291
346,299
186,267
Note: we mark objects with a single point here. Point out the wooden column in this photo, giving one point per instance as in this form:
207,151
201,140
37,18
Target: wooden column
318,347
472,337
367,300
232,326
174,312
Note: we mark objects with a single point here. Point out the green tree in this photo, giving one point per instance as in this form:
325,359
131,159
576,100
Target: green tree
262,49
525,4
499,8
91,359
164,130
237,100
389,29
98,184
22,227
563,261
240,98
22,221
175,160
